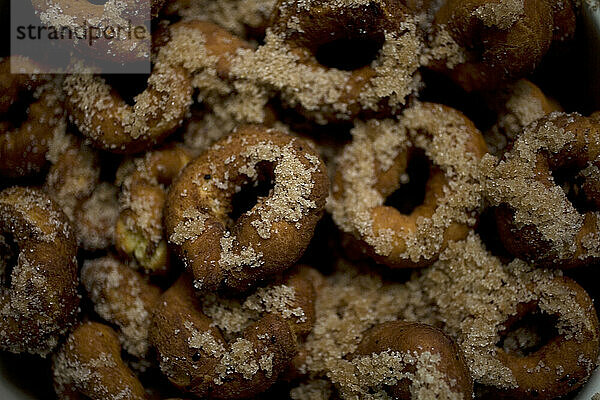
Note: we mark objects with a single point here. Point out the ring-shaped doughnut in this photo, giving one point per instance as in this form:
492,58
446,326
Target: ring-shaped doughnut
302,33
38,297
227,348
503,41
557,234
526,332
268,238
372,166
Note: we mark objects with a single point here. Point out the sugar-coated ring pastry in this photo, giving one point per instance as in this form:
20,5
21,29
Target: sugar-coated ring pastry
127,40
23,147
374,165
139,230
267,239
212,347
73,182
124,298
427,358
104,117
517,106
334,60
526,332
557,234
89,364
501,41
563,363
38,298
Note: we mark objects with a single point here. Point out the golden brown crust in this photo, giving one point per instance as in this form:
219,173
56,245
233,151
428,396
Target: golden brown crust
415,338
139,228
89,364
569,239
365,179
221,357
503,40
23,147
39,298
265,240
123,297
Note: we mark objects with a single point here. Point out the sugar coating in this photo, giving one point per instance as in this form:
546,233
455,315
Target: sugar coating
234,15
190,227
521,107
348,305
442,47
290,199
241,357
230,100
69,370
98,215
317,89
513,181
475,293
100,277
158,108
232,316
375,146
502,14
372,373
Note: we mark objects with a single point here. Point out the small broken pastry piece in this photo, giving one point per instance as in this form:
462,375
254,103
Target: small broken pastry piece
139,229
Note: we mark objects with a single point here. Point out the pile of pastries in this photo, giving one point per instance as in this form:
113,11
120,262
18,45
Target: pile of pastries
287,207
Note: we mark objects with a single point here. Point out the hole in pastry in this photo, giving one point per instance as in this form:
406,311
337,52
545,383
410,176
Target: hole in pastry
18,112
98,2
411,192
9,254
350,53
253,191
528,334
487,229
570,181
127,86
